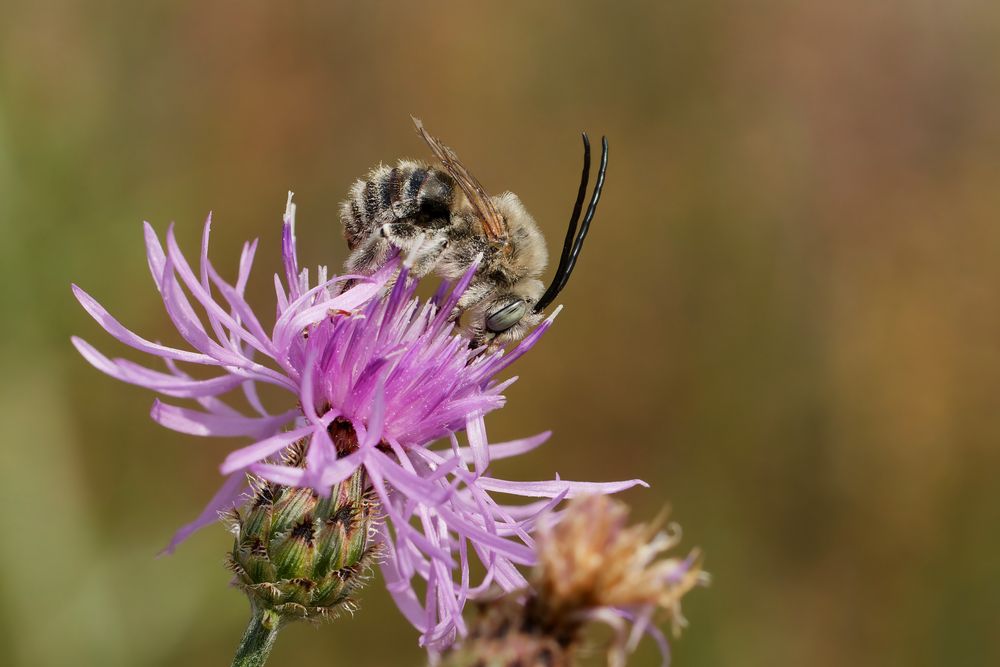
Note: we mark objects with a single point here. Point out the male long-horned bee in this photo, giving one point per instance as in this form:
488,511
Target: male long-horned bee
443,220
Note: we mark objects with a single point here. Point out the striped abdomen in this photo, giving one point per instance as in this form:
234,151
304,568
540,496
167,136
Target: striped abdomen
409,191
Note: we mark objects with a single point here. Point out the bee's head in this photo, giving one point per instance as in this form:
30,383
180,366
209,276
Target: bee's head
507,300
499,306
500,315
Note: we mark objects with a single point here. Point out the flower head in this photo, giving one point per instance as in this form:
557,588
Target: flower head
374,377
590,559
591,567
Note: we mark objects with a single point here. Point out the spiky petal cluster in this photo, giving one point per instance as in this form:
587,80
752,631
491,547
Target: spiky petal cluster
591,567
374,380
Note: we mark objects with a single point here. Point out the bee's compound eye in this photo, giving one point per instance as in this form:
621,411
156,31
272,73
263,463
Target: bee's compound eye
500,320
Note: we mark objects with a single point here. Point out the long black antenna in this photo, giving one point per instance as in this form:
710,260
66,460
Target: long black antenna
574,243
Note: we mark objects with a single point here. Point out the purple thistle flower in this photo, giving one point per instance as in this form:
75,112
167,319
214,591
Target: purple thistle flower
375,379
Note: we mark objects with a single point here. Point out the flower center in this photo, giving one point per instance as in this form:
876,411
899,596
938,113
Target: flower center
344,438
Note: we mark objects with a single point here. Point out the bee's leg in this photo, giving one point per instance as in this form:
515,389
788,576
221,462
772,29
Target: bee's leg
424,259
421,247
370,255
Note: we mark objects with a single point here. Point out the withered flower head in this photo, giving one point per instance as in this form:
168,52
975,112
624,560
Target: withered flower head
591,559
591,566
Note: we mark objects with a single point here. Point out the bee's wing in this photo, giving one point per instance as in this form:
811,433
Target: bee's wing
493,223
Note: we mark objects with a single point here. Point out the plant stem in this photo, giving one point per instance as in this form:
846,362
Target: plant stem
258,640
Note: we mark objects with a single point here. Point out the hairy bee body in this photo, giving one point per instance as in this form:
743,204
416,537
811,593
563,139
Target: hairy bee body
406,206
408,190
444,221
419,209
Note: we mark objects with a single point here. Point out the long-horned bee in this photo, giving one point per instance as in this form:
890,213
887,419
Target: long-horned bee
442,219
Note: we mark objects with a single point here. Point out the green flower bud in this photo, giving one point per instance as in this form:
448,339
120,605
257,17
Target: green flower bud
299,556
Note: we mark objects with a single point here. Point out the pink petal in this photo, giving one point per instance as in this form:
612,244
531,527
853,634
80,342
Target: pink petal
217,315
241,458
164,383
120,333
196,422
504,450
400,589
228,495
154,254
475,427
549,489
342,468
279,474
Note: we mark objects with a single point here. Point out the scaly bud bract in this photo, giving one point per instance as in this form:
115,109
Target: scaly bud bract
302,556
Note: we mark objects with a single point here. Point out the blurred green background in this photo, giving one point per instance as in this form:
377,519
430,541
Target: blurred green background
785,320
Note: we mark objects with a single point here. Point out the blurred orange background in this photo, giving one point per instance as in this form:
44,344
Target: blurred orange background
785,318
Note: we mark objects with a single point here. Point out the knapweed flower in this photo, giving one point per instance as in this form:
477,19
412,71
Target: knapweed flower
374,378
591,567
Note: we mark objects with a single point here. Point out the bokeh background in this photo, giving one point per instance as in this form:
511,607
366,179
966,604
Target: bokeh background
786,318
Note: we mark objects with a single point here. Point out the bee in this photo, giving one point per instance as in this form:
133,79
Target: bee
442,219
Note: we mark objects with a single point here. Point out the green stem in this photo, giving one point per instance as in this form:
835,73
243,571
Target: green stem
258,640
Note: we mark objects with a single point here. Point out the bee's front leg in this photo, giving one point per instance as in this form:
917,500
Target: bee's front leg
421,246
